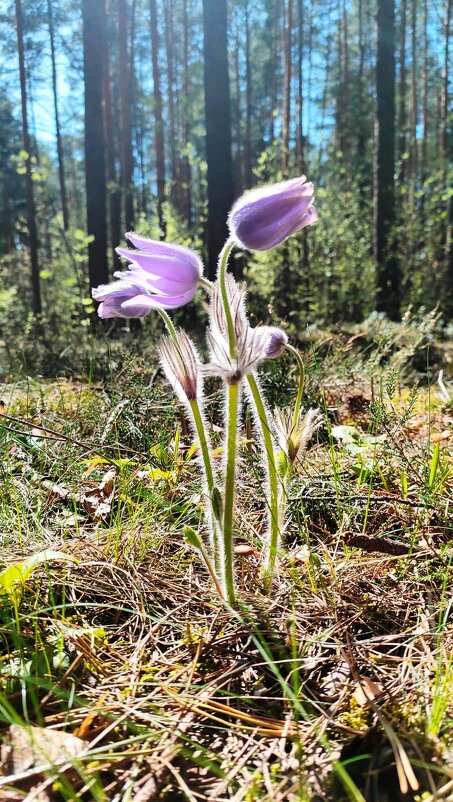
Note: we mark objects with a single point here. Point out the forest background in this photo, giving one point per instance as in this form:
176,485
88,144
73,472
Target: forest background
155,115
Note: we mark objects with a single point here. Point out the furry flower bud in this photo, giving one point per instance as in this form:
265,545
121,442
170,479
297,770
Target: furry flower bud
276,341
180,364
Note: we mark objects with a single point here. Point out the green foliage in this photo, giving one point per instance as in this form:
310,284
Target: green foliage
14,578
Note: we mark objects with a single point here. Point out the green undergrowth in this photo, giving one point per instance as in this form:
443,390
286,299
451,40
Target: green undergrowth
122,674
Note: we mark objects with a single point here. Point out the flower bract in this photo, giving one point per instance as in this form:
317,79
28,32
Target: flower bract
180,363
253,345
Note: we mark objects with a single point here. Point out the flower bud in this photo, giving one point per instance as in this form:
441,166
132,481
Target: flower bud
276,341
265,217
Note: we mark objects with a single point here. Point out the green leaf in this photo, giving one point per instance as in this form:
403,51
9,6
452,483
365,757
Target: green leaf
14,577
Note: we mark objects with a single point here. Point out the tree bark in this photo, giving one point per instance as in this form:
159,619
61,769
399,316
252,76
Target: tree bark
94,32
402,93
31,210
60,153
218,127
114,193
248,103
169,37
414,105
125,110
287,89
388,280
300,145
159,124
186,167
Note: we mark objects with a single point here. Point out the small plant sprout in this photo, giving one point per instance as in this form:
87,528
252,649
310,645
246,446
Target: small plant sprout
163,276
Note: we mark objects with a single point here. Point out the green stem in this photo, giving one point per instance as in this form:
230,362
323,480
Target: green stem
209,473
300,389
274,526
233,401
211,570
169,325
199,426
223,262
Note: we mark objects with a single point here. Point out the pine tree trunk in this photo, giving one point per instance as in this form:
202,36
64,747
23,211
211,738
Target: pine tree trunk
446,152
94,31
31,210
388,280
300,149
402,93
287,89
60,154
248,102
159,124
169,36
186,167
114,192
414,109
125,107
218,127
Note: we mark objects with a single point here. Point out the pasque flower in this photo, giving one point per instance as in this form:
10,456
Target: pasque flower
160,275
293,438
265,217
253,345
180,363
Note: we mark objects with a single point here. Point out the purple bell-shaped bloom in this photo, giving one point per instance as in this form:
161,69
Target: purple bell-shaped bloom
265,217
160,275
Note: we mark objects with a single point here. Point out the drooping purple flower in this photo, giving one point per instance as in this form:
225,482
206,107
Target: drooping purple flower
265,217
160,275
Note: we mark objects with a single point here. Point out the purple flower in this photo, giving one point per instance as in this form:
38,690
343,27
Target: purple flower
160,275
276,340
265,217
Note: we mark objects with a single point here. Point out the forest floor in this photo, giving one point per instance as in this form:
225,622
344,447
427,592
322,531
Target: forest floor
123,678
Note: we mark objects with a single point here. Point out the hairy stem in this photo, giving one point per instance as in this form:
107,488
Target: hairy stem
210,481
223,262
300,388
274,524
205,453
230,475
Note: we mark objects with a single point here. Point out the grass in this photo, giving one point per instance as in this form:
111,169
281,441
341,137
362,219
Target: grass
124,679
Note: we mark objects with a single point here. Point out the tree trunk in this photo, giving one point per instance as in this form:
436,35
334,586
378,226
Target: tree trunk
287,89
125,108
414,110
361,139
31,211
446,152
114,193
159,124
388,280
218,127
169,37
445,82
345,127
60,154
94,32
402,93
300,148
186,167
248,103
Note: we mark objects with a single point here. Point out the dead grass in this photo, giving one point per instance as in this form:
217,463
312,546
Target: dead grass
346,663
